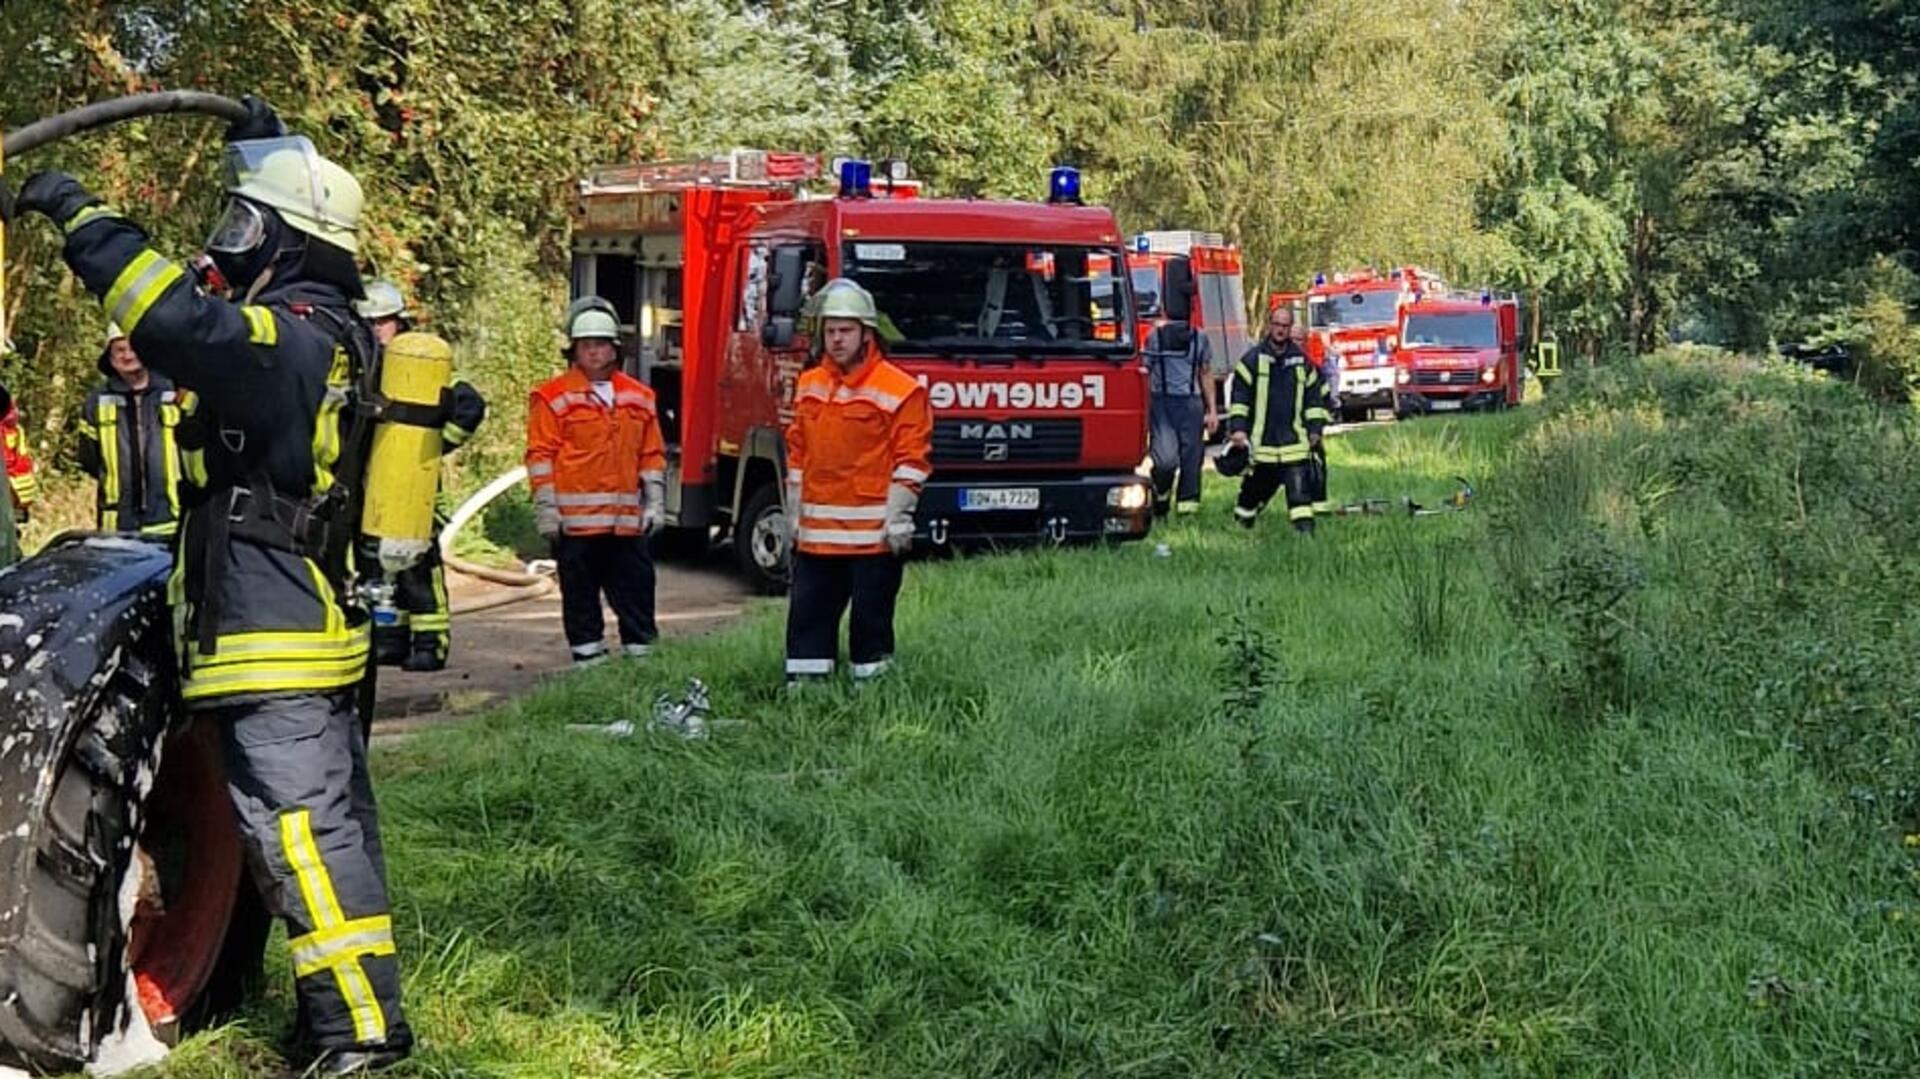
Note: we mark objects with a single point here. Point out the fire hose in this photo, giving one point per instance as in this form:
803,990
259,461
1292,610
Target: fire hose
101,114
524,585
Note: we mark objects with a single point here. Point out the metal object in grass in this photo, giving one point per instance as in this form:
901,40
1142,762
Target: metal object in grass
686,717
1456,501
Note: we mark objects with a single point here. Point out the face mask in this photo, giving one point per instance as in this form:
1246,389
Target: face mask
243,244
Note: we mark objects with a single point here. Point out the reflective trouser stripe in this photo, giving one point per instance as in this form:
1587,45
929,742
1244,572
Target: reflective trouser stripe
1244,513
1299,513
1187,507
324,913
871,670
809,666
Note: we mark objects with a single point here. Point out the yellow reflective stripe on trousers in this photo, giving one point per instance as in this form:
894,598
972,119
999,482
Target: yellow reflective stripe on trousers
323,910
109,426
323,948
138,287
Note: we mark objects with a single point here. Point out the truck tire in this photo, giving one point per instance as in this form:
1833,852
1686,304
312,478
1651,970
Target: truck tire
106,806
760,540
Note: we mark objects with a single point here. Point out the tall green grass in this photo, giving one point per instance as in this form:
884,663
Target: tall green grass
1606,775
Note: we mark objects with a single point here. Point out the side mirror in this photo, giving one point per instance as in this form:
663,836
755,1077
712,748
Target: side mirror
788,275
777,333
1177,304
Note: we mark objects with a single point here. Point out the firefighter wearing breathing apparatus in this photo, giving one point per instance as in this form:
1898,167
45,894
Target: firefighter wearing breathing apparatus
413,631
139,437
273,643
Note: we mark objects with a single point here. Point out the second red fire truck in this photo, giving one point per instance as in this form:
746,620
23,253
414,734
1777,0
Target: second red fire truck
1458,351
1010,313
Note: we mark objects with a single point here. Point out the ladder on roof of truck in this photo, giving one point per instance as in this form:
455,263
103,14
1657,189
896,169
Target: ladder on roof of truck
736,168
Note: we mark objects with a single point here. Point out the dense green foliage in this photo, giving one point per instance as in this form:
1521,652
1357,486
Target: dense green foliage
1735,170
1609,775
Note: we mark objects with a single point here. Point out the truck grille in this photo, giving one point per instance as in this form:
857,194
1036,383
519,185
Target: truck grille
972,442
1447,378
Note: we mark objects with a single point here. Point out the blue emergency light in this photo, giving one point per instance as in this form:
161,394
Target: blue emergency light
1486,298
856,179
1319,280
1063,185
1140,244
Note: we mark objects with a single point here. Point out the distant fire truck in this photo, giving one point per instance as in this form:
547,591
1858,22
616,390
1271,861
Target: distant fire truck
1010,313
1206,265
1353,318
1458,351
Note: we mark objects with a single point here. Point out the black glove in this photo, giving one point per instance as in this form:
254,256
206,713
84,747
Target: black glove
54,194
466,409
261,122
6,202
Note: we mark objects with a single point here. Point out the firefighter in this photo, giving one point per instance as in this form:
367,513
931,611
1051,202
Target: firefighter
420,635
270,653
1330,390
597,464
139,438
858,452
22,488
1278,412
1180,373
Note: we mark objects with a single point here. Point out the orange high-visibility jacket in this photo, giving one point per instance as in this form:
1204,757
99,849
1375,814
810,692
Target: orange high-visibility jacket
588,460
851,438
19,462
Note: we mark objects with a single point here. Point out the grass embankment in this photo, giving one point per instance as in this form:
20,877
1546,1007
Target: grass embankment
1608,775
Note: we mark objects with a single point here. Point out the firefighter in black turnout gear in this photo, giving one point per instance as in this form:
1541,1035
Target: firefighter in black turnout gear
272,647
1278,411
141,440
421,631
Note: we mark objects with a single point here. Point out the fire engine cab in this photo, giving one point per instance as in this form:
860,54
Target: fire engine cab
1353,319
1009,313
1458,351
1204,269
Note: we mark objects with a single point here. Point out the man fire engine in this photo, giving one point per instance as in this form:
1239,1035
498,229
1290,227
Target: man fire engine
1458,351
1352,320
1008,313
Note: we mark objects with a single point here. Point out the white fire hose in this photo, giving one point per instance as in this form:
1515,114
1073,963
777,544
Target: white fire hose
532,583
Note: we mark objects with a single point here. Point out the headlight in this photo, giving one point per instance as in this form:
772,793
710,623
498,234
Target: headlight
1403,376
1490,375
1131,496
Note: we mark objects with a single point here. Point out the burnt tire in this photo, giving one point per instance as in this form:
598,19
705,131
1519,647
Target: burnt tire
63,975
90,755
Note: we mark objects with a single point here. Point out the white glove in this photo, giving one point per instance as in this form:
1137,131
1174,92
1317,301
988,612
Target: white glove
654,513
901,501
792,513
546,521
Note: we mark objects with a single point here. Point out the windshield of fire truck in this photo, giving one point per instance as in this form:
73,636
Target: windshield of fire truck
1354,310
1146,290
1465,329
996,298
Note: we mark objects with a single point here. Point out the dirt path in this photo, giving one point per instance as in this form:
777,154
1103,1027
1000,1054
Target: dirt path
500,653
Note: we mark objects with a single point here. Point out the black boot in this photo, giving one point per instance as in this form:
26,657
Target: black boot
362,1059
426,654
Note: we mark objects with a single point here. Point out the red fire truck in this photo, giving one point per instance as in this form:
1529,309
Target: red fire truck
1353,317
1010,313
1209,268
1458,351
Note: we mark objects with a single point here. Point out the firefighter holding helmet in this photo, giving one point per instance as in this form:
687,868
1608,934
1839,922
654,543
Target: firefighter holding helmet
272,651
597,463
420,634
858,454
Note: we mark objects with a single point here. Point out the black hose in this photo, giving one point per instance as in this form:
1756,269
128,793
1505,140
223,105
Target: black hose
132,107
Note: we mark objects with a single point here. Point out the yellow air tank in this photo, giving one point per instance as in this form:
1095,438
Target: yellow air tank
403,468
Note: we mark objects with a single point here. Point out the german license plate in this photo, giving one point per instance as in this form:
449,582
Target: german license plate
1444,404
1000,498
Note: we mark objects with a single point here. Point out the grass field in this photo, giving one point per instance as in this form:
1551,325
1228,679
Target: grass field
1607,775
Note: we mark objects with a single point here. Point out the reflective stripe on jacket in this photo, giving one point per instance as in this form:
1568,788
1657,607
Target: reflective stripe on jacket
129,443
590,461
272,387
19,462
850,440
1278,402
